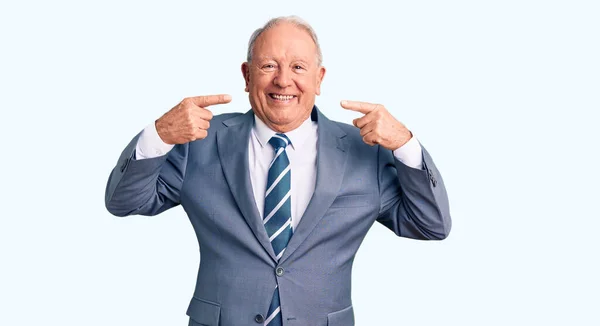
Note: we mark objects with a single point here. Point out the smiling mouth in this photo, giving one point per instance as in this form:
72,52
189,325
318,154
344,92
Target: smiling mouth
282,97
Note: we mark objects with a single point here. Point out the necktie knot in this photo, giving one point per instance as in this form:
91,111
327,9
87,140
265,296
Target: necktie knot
279,140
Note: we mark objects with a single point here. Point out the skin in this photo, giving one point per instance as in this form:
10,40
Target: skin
284,63
378,126
189,120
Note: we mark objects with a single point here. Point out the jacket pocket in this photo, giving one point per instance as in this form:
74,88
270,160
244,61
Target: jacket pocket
353,201
204,312
344,317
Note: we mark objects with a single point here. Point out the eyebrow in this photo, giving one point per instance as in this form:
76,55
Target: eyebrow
264,58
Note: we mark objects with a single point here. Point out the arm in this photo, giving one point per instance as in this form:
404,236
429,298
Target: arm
145,186
414,202
147,182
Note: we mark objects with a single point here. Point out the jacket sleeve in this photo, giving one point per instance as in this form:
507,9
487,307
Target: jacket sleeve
148,186
414,202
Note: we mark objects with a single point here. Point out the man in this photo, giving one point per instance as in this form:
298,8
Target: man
280,197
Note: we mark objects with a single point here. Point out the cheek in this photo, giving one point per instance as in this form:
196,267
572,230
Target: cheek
306,86
259,84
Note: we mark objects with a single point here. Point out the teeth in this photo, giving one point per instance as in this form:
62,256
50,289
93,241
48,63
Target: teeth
283,97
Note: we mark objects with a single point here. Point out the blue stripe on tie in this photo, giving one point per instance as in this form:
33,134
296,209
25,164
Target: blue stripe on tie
277,321
278,165
276,170
279,218
277,194
281,241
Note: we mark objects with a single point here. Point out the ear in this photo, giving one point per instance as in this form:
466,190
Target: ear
246,74
320,75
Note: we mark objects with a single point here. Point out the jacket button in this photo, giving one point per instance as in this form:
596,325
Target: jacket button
279,271
259,318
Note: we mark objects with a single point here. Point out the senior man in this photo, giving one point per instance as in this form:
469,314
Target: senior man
280,197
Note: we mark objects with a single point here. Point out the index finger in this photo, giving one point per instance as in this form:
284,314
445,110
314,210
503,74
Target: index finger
208,100
362,107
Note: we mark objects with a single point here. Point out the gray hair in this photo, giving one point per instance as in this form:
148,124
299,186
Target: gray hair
298,22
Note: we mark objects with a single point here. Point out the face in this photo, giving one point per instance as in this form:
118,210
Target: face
283,77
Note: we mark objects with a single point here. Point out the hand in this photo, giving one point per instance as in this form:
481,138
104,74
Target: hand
378,126
189,120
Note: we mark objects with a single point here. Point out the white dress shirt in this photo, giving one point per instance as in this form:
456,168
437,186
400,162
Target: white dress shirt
302,154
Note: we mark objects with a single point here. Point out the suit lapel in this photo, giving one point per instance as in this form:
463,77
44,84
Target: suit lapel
233,149
332,151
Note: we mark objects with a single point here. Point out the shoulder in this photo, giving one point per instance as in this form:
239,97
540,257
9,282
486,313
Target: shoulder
217,120
200,147
350,130
354,138
352,133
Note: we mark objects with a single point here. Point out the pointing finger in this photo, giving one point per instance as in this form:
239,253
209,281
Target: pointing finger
208,100
362,107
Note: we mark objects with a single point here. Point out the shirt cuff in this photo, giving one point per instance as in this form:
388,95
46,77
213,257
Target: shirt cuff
150,145
410,154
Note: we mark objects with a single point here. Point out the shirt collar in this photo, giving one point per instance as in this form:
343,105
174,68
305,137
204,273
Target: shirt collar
297,136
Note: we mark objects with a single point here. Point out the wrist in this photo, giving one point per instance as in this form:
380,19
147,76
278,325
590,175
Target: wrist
161,131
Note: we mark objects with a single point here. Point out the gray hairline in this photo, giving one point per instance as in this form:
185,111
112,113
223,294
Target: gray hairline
298,22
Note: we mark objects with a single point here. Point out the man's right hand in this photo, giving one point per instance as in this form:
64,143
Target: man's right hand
189,120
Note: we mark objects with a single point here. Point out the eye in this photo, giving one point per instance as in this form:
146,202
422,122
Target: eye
298,67
268,66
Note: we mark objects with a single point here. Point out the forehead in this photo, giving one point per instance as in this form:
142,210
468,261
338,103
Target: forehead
285,40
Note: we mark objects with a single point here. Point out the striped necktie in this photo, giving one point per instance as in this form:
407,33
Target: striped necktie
278,212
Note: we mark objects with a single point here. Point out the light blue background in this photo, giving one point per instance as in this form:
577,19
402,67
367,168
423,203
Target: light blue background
504,94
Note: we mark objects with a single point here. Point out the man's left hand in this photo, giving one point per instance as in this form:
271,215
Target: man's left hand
378,126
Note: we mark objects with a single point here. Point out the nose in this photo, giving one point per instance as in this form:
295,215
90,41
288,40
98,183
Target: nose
283,78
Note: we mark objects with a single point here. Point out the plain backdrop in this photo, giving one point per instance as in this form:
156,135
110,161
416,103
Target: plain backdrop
504,94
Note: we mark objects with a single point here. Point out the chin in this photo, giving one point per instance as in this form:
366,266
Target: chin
281,119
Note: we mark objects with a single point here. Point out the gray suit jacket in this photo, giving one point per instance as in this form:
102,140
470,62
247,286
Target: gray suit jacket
356,185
